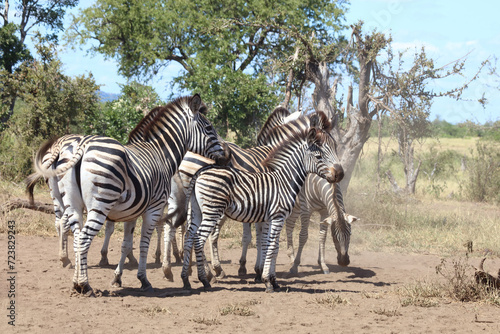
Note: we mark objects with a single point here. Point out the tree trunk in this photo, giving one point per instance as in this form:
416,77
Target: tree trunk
25,204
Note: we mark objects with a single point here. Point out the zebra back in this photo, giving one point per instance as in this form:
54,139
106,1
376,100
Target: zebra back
276,118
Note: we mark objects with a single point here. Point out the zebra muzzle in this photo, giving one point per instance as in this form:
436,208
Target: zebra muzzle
336,173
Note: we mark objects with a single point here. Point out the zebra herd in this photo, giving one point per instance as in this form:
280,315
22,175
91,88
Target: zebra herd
262,185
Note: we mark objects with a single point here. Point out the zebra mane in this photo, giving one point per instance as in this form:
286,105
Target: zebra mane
319,121
142,130
276,118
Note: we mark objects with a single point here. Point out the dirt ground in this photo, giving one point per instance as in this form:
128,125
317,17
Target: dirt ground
360,298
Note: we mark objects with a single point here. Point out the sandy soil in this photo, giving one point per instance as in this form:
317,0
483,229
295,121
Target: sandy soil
361,298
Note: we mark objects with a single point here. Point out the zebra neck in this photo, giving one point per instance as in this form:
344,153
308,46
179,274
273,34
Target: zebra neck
294,175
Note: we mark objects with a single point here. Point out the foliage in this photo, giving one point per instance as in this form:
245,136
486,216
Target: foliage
222,46
52,104
12,50
483,171
118,118
438,166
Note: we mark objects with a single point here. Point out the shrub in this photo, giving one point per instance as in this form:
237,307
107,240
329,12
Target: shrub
483,174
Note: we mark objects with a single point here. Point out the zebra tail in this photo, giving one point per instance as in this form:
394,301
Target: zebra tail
30,182
43,167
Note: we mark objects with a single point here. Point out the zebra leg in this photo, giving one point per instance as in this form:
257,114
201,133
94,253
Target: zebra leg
110,228
193,222
214,247
168,239
290,226
305,216
63,232
127,245
201,236
149,221
60,224
323,230
94,223
259,237
246,239
271,245
158,243
179,235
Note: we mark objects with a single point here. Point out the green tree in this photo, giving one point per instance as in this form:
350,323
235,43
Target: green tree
13,51
50,104
222,46
119,117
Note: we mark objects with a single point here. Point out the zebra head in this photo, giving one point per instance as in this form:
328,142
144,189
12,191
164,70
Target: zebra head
341,235
321,151
203,138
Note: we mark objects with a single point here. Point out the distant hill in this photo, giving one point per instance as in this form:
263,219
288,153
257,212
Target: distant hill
106,97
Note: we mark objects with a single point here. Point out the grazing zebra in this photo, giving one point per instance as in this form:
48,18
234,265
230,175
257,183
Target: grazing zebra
319,195
122,182
258,197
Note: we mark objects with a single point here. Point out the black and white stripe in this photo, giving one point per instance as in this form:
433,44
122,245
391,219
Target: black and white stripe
319,195
122,182
258,197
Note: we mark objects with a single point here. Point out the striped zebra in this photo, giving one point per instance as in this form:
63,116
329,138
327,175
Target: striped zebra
319,195
122,182
66,145
316,195
268,197
243,159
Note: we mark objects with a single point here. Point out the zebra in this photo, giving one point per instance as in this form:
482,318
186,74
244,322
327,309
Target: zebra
246,159
319,195
122,182
269,197
243,159
316,195
66,145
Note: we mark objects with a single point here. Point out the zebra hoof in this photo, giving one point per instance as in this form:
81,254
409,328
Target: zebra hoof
269,289
104,262
132,261
117,281
242,271
275,285
167,272
206,285
84,289
294,270
147,288
145,285
187,285
65,262
219,273
326,271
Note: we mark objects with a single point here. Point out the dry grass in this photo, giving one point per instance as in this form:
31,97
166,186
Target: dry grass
155,310
239,309
455,282
330,300
387,313
421,293
206,321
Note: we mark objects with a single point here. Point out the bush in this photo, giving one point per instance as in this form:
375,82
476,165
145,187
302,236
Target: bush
483,174
118,118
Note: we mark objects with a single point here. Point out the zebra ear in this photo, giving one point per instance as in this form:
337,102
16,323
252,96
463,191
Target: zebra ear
195,103
350,218
312,136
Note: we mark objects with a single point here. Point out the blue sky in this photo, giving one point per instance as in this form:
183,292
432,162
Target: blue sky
448,29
